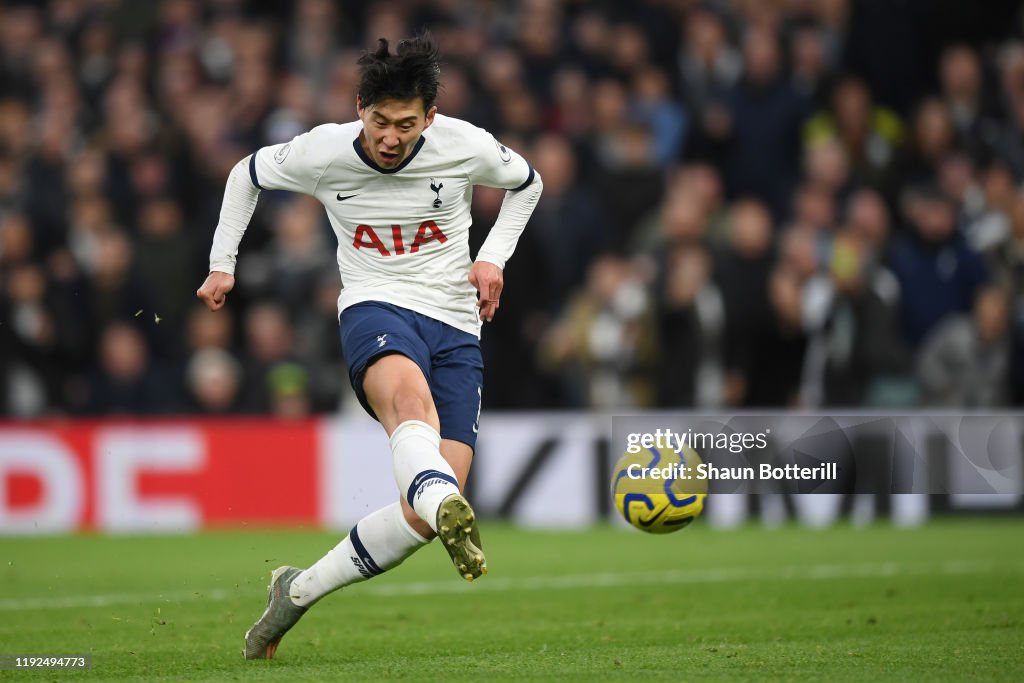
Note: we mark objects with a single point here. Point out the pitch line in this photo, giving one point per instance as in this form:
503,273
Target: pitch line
499,585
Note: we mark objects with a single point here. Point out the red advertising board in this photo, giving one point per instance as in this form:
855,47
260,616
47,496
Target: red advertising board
173,474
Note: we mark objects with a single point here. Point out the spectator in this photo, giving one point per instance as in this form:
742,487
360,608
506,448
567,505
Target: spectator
964,362
300,254
702,184
1008,266
654,107
827,166
741,272
762,134
206,331
270,340
569,226
933,137
871,136
126,381
867,217
571,113
680,218
166,259
809,56
938,273
690,321
814,210
17,243
31,336
601,347
775,367
288,384
115,290
961,82
988,200
864,358
710,66
1010,144
213,381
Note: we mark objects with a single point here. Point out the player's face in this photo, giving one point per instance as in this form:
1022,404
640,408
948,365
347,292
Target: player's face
391,129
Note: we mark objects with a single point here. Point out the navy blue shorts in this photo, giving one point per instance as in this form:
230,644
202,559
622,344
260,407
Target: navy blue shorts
449,358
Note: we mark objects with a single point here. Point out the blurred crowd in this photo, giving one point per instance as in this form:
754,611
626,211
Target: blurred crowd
748,203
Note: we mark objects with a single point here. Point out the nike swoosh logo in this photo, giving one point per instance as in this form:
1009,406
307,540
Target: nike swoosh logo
341,199
653,519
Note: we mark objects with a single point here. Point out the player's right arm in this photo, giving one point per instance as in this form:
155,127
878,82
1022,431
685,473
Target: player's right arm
296,166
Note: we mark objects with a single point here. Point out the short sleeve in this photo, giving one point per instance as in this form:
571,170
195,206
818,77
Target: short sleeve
296,166
495,165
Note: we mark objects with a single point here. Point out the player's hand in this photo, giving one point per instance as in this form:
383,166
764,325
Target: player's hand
215,290
489,281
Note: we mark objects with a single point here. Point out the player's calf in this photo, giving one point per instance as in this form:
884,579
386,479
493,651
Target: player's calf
423,476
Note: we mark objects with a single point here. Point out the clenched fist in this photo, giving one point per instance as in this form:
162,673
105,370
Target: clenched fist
215,290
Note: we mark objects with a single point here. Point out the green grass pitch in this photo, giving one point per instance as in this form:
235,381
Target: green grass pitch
941,602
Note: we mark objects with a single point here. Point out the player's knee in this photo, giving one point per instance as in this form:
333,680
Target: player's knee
408,404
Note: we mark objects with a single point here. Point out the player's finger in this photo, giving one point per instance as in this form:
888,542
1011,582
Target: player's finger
494,290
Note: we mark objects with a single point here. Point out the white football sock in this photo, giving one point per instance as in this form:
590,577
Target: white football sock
378,542
423,476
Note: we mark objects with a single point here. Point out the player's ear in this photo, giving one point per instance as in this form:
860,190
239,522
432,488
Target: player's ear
429,118
359,105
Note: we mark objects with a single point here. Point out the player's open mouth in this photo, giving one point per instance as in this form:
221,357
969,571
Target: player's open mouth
388,157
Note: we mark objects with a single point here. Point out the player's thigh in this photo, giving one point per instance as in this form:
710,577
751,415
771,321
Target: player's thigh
456,383
397,390
388,358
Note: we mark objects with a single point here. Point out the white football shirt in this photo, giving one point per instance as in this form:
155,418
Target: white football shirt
403,233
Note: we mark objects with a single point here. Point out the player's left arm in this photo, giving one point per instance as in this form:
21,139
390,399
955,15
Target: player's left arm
498,166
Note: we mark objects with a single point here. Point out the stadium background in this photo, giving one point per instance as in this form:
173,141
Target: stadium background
747,204
809,205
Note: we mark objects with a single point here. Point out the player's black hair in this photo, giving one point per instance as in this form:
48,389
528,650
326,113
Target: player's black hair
411,71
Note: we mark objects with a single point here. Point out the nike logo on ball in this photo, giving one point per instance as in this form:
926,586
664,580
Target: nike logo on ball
653,519
350,196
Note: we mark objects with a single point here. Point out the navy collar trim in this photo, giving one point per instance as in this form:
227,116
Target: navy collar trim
372,164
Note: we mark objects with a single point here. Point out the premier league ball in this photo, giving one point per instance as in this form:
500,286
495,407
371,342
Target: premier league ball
658,490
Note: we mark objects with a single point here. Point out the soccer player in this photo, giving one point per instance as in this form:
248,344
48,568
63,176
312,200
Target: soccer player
397,186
